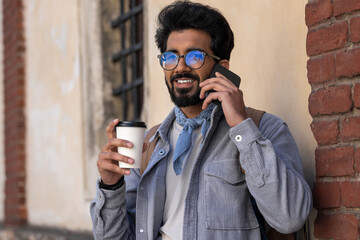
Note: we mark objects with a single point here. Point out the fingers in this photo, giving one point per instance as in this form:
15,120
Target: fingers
230,96
211,97
109,153
222,89
113,143
105,166
109,161
220,79
219,84
110,130
115,157
109,158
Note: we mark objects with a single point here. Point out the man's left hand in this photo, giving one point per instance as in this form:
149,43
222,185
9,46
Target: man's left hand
228,94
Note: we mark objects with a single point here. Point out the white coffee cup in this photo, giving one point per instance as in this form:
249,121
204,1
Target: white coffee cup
133,132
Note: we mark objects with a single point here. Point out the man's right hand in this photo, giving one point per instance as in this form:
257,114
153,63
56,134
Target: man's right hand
109,158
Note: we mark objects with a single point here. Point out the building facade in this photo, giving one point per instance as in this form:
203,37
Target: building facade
71,66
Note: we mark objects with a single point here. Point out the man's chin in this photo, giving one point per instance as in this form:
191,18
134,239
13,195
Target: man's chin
186,101
183,92
184,97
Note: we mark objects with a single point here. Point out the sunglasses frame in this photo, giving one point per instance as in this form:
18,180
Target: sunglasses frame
184,56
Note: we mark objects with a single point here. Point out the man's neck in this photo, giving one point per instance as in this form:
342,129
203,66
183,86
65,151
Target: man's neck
192,111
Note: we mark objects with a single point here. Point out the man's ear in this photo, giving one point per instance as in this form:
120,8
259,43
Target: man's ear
225,63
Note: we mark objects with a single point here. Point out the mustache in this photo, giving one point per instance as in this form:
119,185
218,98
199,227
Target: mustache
185,75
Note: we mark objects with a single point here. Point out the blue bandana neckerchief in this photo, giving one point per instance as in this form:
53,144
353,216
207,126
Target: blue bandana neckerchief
185,138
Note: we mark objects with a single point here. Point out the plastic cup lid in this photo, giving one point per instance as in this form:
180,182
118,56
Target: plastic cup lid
131,124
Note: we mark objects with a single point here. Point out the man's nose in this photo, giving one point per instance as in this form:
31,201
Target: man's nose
182,67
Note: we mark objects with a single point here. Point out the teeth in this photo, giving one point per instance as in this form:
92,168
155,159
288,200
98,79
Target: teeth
185,81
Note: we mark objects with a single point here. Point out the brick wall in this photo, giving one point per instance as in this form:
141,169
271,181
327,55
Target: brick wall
14,97
333,47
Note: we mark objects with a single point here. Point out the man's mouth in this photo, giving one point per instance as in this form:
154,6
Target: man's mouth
184,78
184,81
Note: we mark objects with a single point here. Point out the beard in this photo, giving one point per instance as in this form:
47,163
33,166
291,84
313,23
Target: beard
183,97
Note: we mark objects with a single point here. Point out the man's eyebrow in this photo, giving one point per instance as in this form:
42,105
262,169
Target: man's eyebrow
172,50
187,50
193,49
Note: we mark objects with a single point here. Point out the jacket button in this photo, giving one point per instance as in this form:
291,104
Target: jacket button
141,230
161,152
238,138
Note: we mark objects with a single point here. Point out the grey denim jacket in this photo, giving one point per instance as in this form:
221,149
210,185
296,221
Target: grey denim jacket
217,204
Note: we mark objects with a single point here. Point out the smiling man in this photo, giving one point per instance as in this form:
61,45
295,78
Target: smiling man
210,160
183,83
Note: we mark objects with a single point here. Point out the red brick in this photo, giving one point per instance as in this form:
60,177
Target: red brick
321,69
350,129
334,99
327,195
350,192
348,63
317,11
334,162
355,29
14,99
357,160
12,4
338,226
325,132
327,39
22,212
16,168
357,95
345,6
14,22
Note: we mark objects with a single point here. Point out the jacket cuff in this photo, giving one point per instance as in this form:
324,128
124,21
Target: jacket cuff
110,199
244,133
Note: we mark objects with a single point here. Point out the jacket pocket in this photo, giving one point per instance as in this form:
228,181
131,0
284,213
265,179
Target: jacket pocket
227,198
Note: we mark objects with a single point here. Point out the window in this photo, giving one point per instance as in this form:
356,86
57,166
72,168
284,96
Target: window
128,86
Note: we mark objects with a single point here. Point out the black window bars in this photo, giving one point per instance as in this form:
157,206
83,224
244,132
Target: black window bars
130,57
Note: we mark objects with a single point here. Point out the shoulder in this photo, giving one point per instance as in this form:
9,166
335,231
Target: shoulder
263,120
270,124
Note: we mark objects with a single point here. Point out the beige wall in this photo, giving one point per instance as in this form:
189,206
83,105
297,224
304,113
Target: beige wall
55,192
269,56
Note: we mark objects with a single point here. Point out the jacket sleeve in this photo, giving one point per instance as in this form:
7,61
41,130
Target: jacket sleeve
113,212
274,174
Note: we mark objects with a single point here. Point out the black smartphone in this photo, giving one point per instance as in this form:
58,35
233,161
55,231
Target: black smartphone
227,73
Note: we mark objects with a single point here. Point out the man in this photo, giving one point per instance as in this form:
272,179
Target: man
209,159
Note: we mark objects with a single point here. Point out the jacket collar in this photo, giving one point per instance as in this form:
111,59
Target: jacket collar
164,127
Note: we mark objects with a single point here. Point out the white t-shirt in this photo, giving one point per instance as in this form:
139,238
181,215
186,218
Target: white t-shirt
177,186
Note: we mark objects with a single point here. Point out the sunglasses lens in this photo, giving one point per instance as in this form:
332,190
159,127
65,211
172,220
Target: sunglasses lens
195,59
168,60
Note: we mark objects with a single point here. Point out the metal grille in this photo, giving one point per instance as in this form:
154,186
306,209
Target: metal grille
130,58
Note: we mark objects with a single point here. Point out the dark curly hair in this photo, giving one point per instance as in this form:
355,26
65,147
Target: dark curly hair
183,15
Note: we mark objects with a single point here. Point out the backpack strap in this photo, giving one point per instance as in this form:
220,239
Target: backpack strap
254,114
150,148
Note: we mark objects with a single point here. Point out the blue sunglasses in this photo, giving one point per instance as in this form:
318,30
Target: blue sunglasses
194,59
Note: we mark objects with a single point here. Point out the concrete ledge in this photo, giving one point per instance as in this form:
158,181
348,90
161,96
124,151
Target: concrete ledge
41,233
